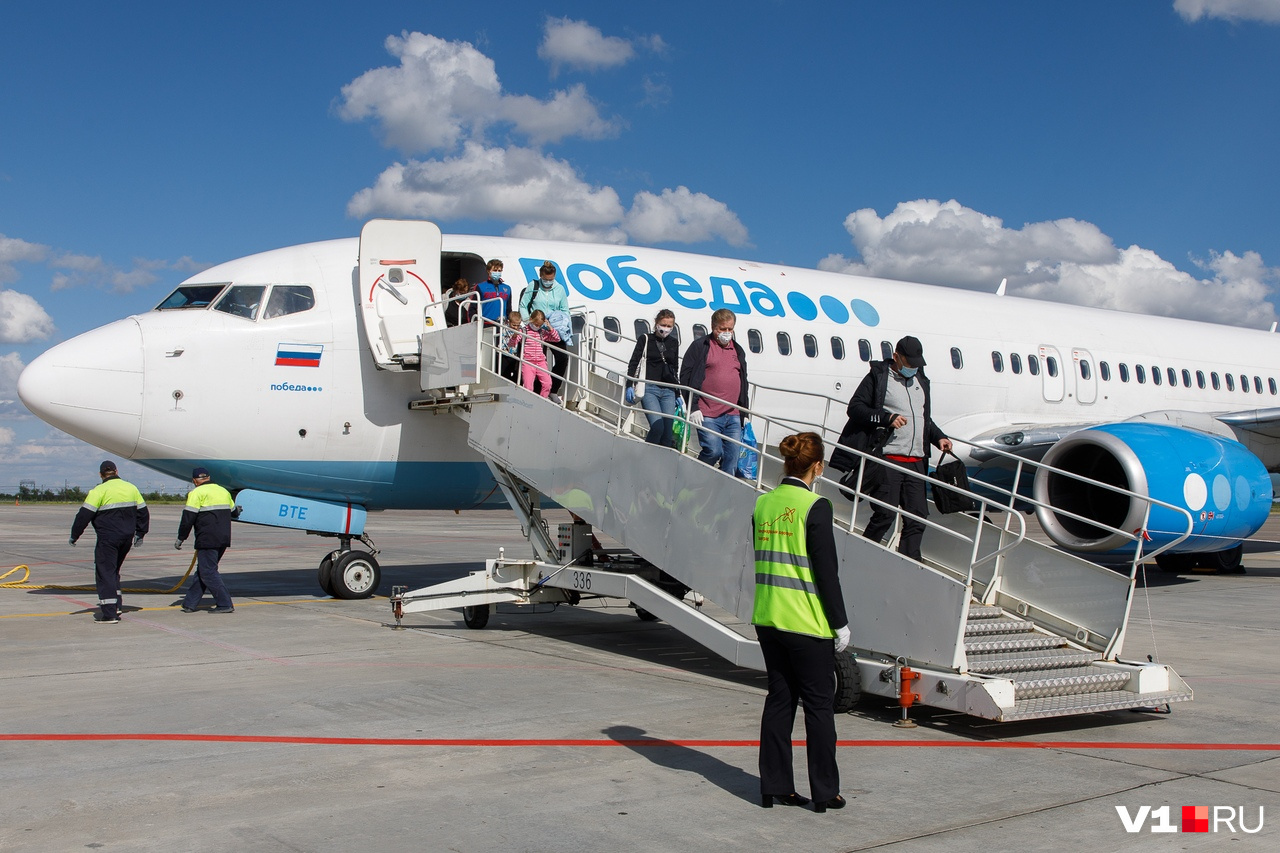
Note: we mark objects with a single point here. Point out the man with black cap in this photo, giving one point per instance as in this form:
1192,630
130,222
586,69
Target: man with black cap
120,518
889,415
209,510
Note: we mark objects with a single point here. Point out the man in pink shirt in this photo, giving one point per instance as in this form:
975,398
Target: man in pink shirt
716,366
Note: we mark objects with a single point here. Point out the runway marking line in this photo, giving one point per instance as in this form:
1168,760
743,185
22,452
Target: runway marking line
641,742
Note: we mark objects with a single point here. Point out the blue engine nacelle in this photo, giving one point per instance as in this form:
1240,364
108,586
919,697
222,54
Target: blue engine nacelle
1224,487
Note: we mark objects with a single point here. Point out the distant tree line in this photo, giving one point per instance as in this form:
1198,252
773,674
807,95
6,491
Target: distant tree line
74,494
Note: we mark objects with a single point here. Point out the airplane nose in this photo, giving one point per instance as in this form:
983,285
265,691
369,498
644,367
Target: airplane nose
91,386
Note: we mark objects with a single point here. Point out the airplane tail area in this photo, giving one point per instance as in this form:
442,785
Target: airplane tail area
990,638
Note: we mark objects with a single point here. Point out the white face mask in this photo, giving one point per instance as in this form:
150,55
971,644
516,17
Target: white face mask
547,283
725,338
663,331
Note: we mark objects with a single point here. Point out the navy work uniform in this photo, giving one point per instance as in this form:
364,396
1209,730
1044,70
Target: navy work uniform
798,599
120,518
208,510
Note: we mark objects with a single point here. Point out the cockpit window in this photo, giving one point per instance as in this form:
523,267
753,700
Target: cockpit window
191,296
289,299
242,300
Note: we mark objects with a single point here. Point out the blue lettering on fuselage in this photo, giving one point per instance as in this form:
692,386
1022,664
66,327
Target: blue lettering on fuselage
742,297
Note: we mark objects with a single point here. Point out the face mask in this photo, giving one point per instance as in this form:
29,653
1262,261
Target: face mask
495,276
663,331
908,372
547,284
725,337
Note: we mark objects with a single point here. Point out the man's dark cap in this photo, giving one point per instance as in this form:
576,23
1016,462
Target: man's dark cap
911,351
199,472
107,467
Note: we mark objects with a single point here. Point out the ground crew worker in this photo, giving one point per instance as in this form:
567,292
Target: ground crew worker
209,510
798,600
120,518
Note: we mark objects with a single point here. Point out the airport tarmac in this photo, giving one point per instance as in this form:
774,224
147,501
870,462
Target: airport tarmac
302,723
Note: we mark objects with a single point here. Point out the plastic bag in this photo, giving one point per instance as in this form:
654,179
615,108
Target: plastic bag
680,426
748,456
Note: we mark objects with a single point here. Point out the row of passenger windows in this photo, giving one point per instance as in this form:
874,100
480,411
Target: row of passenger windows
1032,364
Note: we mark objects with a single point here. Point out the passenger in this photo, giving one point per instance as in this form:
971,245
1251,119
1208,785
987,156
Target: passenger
798,600
543,293
209,510
715,365
495,296
459,309
534,334
118,514
510,348
661,354
892,407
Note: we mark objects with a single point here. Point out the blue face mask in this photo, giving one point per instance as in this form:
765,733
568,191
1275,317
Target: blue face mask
495,276
908,372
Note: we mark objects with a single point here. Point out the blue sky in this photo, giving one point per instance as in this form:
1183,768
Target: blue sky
1102,153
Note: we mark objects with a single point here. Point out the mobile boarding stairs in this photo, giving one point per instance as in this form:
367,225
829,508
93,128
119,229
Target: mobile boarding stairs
996,624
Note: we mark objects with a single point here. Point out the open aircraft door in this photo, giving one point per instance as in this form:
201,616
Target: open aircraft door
399,278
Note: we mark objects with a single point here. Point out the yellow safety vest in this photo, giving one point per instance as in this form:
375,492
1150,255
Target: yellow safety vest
786,596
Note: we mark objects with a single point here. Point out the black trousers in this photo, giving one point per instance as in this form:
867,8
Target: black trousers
800,668
897,488
108,557
557,363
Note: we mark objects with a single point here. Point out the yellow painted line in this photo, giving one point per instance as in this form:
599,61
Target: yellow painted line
131,611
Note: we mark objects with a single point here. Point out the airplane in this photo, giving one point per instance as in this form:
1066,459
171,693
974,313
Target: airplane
288,375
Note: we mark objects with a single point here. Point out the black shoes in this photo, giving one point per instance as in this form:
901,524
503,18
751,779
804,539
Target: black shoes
767,800
223,610
836,802
186,609
105,620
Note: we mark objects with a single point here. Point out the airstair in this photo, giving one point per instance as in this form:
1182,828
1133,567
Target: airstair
997,625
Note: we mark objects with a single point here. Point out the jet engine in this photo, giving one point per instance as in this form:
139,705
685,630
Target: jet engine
1218,481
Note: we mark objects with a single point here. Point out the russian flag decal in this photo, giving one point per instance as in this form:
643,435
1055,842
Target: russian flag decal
298,355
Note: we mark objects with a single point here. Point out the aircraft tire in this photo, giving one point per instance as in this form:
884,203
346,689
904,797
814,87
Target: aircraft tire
1174,563
848,683
476,617
1225,562
324,574
645,615
355,574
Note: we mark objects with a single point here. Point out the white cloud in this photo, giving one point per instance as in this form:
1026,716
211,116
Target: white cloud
10,407
22,320
443,93
14,251
577,44
1065,260
682,216
1264,11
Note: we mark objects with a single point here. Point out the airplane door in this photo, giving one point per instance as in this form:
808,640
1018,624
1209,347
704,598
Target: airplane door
1086,376
399,278
1055,380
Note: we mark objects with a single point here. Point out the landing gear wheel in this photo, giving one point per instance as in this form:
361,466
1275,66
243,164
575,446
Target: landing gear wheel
645,615
324,573
848,683
1225,562
1175,563
355,574
476,617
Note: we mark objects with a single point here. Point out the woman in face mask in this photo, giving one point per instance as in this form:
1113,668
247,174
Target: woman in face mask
546,295
660,353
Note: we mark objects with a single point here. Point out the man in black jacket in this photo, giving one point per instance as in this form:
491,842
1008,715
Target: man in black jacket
209,511
891,415
715,365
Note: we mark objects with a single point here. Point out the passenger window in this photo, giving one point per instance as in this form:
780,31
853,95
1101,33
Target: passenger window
1271,384
1173,377
811,346
1124,372
1186,378
755,341
1155,375
1200,379
242,300
1257,384
612,329
1015,362
886,350
1051,365
1244,383
837,348
642,328
288,299
997,362
1231,382
1033,365
784,343
1140,373
957,358
1104,370
1213,377
699,331
1084,369
864,349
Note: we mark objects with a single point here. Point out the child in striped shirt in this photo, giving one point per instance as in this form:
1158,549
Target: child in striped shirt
535,332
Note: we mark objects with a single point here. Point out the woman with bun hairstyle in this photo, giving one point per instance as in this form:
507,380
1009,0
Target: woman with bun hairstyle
800,619
660,354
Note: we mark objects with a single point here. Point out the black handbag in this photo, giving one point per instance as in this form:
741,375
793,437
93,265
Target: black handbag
950,487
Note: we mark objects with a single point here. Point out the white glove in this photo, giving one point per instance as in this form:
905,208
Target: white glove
843,636
696,418
177,544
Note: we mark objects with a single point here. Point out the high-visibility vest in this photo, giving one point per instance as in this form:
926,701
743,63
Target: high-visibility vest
786,596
